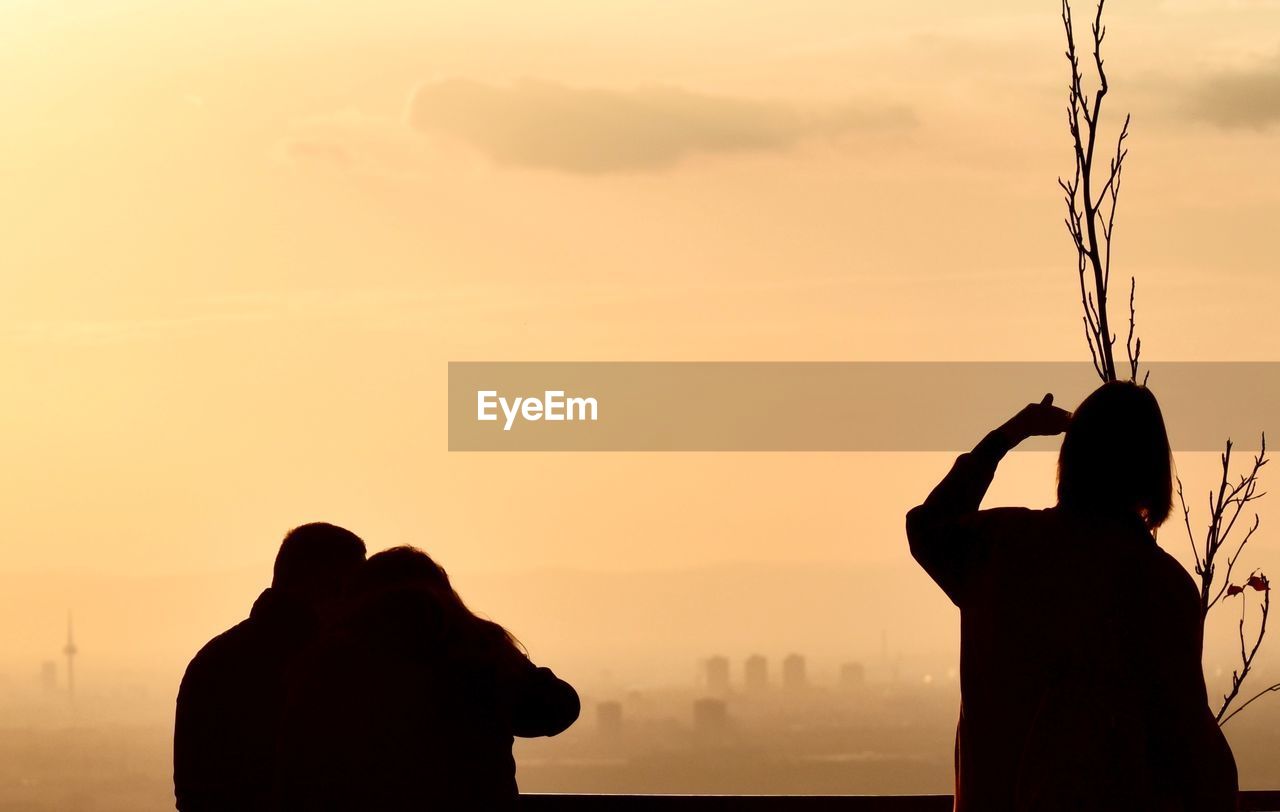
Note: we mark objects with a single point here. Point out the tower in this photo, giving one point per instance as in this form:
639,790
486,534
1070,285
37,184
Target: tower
70,651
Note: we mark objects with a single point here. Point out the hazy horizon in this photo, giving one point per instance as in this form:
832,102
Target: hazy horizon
244,241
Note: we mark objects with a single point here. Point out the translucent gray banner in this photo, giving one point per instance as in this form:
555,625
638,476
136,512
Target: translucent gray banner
858,406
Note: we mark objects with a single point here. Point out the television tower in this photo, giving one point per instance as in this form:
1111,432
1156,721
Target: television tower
70,651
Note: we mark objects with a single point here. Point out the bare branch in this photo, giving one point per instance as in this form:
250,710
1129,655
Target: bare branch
1247,655
1092,201
1091,232
1133,344
1257,696
1186,520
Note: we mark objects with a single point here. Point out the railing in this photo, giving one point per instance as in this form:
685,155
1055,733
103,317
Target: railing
1250,801
747,803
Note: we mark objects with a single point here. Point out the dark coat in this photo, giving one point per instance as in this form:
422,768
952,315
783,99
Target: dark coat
1080,665
401,710
229,707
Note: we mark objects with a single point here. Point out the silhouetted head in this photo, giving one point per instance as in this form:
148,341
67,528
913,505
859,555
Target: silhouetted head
316,561
405,579
1115,457
399,568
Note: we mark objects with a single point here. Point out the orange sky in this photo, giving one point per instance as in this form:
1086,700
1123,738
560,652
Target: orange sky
244,240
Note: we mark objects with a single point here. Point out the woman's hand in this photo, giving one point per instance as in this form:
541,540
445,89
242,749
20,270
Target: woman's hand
1041,419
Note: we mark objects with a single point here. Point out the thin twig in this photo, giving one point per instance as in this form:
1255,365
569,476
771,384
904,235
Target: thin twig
1255,697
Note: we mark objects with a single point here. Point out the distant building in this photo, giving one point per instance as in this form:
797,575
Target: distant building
710,717
756,673
49,676
716,671
794,677
70,651
852,675
609,719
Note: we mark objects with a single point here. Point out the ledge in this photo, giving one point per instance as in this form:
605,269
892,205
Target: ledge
1250,801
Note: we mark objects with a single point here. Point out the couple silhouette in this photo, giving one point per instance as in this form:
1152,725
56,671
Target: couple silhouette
368,685
359,685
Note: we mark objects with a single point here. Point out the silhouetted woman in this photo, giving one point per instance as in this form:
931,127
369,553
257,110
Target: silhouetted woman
413,703
1080,674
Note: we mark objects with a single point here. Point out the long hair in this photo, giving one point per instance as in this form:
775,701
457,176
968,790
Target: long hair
406,576
1115,457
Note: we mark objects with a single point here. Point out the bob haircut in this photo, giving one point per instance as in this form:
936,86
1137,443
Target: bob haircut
1115,457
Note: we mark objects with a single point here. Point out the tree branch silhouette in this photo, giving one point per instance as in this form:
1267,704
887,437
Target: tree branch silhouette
1091,217
1226,505
1259,582
1091,223
1225,508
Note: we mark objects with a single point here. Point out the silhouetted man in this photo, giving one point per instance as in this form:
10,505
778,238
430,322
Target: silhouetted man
229,703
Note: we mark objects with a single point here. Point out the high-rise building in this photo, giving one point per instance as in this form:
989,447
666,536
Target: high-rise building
756,673
49,676
609,718
710,717
70,651
716,671
852,675
793,673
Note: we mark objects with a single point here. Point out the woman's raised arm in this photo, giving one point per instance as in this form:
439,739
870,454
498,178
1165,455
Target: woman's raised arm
936,528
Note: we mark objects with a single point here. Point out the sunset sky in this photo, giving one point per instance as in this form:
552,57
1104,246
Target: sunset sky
244,239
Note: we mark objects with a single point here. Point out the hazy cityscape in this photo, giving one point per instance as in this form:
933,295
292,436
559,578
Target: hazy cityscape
246,243
758,723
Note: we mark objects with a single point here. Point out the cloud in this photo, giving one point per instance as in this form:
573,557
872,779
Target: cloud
351,141
590,130
303,150
1240,99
